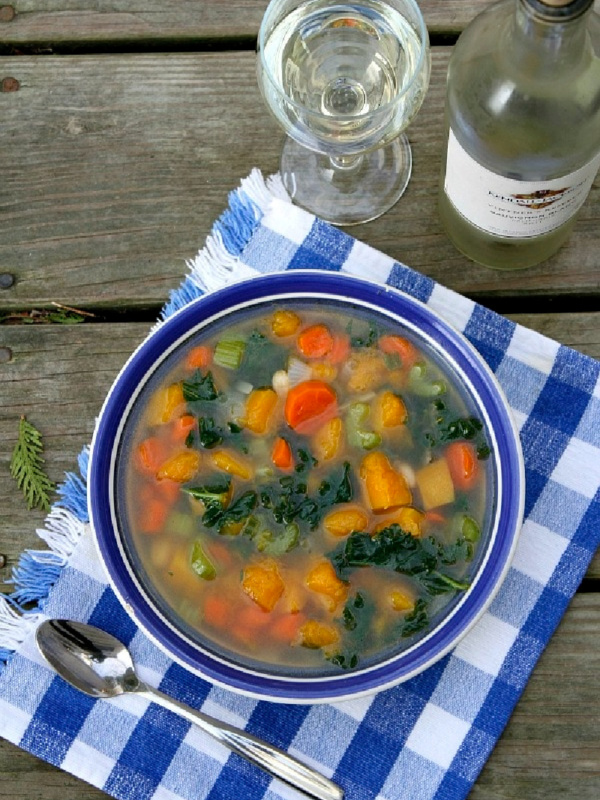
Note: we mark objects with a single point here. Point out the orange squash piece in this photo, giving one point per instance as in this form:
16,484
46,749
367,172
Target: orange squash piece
409,518
181,467
263,584
389,411
284,322
323,580
386,488
260,406
326,441
232,463
343,521
315,634
164,404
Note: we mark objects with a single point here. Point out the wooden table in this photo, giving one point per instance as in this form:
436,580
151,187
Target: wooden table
122,129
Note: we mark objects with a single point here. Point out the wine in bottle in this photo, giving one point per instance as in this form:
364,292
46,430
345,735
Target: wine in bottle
523,130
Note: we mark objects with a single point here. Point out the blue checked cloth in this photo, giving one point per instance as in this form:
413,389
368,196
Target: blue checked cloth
426,739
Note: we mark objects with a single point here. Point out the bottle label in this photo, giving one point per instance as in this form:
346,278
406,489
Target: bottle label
510,208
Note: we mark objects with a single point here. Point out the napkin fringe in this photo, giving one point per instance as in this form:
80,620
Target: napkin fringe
38,570
216,264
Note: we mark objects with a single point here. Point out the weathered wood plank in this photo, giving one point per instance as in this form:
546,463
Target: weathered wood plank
59,376
115,167
56,23
550,749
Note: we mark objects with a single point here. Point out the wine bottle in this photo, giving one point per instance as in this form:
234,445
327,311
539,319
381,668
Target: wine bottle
523,129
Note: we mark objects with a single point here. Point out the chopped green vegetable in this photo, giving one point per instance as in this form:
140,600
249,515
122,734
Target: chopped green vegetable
395,549
201,564
416,620
208,433
278,544
238,511
229,353
419,383
263,358
357,416
216,493
201,387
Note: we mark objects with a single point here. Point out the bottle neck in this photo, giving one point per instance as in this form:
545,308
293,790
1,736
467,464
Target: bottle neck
554,39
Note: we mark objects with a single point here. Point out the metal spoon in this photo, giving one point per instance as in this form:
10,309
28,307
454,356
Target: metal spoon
100,665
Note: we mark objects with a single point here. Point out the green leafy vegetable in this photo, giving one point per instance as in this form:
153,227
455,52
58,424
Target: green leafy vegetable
416,620
263,358
201,387
209,434
26,467
288,499
422,559
216,493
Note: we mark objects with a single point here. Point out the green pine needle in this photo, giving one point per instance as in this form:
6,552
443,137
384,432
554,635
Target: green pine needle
26,467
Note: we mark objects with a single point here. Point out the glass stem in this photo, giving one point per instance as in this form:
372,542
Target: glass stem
346,163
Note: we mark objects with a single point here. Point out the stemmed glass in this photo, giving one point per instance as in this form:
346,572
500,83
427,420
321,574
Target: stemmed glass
344,79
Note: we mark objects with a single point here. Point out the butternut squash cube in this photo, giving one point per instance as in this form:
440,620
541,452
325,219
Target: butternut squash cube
263,584
323,580
315,634
326,441
345,520
181,467
385,487
260,406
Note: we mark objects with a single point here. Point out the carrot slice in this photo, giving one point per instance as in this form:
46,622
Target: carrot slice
153,515
398,345
182,427
463,464
150,454
282,454
340,348
199,357
315,341
309,405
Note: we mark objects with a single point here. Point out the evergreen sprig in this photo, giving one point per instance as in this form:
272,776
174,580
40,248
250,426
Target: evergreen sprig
26,467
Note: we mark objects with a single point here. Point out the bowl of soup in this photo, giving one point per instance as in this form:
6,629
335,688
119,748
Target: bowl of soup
306,487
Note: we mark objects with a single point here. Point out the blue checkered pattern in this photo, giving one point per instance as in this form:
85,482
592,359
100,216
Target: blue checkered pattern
426,739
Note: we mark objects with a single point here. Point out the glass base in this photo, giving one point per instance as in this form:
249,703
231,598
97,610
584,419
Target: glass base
347,190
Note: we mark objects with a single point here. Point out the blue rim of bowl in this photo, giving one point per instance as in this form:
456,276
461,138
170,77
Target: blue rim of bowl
320,285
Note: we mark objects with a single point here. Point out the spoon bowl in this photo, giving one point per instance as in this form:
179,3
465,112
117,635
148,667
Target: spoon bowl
100,665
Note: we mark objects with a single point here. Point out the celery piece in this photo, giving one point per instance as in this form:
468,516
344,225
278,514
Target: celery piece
229,353
201,564
419,385
358,414
268,543
470,529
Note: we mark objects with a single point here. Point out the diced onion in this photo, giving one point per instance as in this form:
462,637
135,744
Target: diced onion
298,371
244,387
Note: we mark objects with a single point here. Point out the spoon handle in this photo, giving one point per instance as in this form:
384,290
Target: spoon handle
264,755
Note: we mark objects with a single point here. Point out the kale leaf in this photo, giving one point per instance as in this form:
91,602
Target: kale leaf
422,559
201,387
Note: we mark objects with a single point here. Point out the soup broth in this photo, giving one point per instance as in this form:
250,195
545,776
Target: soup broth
305,487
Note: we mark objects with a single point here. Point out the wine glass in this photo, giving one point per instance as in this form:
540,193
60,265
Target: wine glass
344,79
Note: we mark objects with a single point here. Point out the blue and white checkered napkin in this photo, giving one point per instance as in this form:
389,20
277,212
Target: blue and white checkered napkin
423,740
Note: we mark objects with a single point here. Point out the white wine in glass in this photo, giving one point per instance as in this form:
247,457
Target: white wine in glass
344,80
